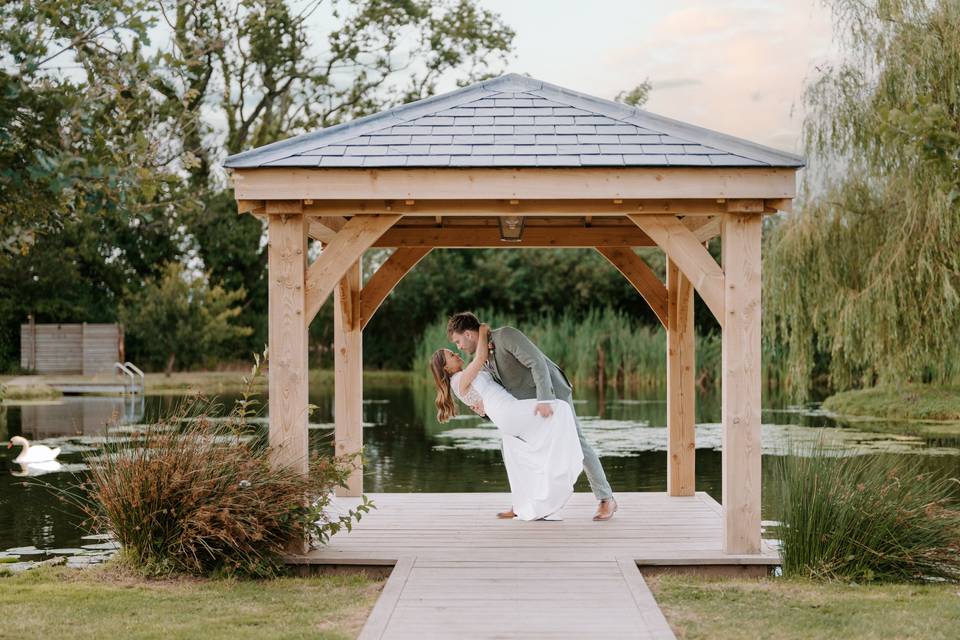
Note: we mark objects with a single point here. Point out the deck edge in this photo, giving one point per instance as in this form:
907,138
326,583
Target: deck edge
379,618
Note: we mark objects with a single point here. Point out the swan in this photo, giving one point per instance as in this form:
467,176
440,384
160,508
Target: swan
36,453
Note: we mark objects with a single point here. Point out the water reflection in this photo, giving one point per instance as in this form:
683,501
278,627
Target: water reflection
408,450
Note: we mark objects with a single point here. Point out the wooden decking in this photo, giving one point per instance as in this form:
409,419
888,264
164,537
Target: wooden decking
461,573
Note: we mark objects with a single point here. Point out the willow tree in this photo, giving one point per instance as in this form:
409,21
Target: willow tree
863,279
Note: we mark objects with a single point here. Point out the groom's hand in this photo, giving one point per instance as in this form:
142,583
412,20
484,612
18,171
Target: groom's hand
543,410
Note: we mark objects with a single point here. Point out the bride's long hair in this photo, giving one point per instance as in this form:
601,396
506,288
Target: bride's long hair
446,407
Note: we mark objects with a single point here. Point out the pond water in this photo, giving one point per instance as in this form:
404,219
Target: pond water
409,451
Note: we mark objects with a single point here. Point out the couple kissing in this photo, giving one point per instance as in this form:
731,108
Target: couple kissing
530,400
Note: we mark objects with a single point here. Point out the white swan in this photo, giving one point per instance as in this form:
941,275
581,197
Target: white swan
36,453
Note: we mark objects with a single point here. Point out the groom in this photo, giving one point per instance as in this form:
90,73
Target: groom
523,370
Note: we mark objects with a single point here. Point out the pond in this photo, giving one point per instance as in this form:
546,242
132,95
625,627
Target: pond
409,451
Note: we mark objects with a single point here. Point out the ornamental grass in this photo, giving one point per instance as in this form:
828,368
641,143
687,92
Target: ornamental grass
197,494
865,517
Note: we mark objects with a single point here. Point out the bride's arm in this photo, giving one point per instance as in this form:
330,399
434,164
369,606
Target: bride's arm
479,359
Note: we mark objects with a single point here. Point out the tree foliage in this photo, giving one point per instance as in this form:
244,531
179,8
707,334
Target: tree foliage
116,114
863,280
175,319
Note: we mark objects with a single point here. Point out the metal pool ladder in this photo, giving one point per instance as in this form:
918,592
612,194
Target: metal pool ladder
132,372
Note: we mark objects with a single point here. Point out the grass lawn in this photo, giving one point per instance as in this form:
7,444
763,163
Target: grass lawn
105,602
719,608
912,401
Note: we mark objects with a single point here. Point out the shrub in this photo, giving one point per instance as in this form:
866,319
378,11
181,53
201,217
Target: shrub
198,495
865,517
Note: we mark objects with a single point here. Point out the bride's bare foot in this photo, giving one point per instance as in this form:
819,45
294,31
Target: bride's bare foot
506,515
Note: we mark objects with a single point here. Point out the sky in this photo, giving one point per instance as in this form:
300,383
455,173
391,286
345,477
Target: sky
735,66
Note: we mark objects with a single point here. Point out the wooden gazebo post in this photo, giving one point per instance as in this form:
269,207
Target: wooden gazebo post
740,383
348,374
287,351
585,173
681,392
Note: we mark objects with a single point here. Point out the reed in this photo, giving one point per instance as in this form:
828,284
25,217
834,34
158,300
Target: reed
606,346
865,518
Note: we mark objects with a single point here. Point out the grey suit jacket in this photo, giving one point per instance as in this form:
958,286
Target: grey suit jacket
523,370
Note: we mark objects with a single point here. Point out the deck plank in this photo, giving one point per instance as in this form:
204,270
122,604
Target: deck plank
461,573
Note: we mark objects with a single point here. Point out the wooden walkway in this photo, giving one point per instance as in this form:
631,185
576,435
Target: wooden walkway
461,573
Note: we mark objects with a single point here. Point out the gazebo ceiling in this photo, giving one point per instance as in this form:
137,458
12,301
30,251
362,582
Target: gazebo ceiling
513,121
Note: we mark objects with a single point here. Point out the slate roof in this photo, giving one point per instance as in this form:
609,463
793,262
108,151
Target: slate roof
513,121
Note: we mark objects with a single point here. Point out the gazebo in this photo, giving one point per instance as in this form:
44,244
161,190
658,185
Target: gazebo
516,162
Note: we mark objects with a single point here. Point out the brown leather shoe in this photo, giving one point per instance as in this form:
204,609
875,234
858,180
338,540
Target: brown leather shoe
606,509
507,515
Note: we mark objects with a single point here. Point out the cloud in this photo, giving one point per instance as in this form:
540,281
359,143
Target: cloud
736,67
675,83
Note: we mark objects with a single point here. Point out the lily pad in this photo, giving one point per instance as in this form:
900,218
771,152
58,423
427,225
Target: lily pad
102,546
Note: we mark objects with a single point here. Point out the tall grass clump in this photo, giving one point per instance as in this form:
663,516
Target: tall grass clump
198,495
867,518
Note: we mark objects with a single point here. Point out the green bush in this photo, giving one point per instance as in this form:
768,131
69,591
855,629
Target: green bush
869,518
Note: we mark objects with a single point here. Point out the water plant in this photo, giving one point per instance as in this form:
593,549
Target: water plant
607,347
865,518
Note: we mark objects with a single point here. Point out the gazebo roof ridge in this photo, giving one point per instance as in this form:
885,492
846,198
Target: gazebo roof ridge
513,121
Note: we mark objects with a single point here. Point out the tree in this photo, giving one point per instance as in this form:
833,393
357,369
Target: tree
90,198
110,146
253,67
863,279
175,317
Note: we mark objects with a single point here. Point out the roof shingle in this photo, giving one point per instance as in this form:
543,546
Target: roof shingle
513,121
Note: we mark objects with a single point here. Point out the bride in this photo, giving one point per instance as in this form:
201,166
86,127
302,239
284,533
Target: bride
542,455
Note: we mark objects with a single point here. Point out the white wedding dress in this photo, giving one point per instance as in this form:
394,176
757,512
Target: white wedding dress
542,455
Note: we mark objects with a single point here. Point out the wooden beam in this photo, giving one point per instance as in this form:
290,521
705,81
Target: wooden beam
740,384
474,237
348,377
575,208
386,278
778,204
741,205
348,304
286,260
244,206
703,228
344,249
334,223
696,263
320,232
643,279
514,183
681,398
284,206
